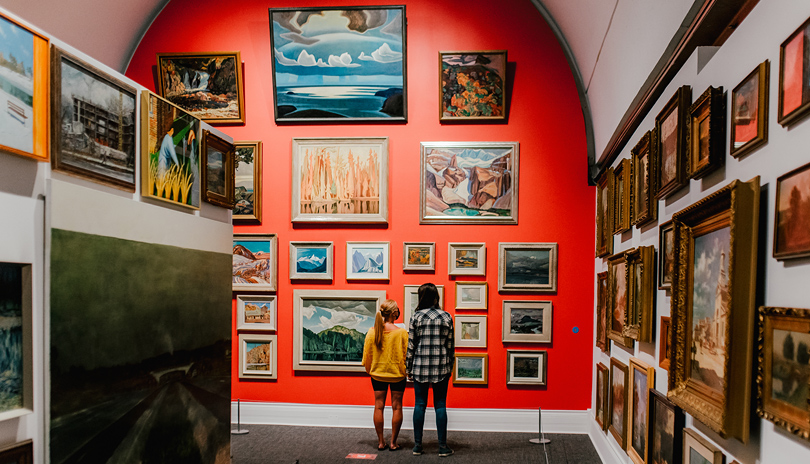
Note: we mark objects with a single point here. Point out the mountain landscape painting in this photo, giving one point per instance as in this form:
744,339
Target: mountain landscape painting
254,262
311,261
526,321
527,266
367,261
464,183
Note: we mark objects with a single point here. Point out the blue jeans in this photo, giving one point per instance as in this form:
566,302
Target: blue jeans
420,391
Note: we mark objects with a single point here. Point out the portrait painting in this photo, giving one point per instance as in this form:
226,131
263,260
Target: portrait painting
256,312
527,266
794,76
311,260
749,111
471,295
258,355
666,425
526,367
254,262
470,369
527,321
419,256
473,85
367,261
218,175
792,222
618,404
470,331
247,207
339,63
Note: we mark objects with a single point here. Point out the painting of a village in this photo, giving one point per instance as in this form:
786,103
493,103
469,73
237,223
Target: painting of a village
258,312
335,330
207,86
16,87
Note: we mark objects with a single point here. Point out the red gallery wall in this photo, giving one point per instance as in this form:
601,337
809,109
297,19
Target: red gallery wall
556,204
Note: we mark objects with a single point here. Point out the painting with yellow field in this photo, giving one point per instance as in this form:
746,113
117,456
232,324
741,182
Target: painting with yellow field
170,169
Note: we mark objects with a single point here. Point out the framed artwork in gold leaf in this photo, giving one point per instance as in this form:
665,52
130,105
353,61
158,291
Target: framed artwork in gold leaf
642,380
698,450
601,406
749,111
664,342
602,341
618,290
622,185
645,206
670,127
604,214
638,318
666,255
706,133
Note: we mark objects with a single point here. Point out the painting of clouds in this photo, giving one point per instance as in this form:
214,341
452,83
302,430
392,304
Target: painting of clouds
344,63
335,329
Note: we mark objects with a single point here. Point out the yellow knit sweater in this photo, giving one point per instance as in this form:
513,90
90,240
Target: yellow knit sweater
386,363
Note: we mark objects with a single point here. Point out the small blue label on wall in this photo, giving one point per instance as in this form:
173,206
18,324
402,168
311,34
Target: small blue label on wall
575,329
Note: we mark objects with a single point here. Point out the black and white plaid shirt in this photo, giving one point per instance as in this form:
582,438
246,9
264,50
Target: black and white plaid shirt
431,347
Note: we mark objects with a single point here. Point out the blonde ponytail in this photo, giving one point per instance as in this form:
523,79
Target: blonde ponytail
386,309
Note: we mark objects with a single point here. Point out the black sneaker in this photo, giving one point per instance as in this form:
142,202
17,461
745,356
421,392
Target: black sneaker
444,451
417,450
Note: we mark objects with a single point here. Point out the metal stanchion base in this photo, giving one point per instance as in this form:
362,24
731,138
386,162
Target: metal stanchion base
539,441
239,432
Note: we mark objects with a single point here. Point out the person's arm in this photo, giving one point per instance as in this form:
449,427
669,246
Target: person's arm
367,350
411,346
450,343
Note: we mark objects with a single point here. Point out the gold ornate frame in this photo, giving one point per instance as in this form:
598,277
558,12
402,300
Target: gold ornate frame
622,200
613,334
762,71
710,107
643,193
602,341
678,103
663,229
636,367
602,395
604,218
638,319
621,438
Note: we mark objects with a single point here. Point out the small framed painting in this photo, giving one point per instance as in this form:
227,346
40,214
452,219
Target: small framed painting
644,204
16,301
471,369
418,256
794,76
311,260
642,379
471,331
640,313
791,235
749,111
622,190
467,258
368,261
248,183
600,407
664,343
666,430
411,301
256,312
602,341
526,367
671,149
706,133
471,295
618,297
698,450
218,175
257,356
255,257
617,417
472,86
527,321
604,214
18,453
527,266
666,254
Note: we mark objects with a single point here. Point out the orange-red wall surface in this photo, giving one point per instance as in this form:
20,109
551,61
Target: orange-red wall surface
555,202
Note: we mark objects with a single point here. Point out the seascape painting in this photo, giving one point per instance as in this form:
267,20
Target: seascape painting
254,263
526,320
473,85
617,399
16,87
619,297
247,184
334,329
669,148
11,336
638,439
339,64
790,367
792,228
745,112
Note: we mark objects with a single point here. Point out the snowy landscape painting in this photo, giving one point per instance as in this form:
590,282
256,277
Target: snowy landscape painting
254,262
367,260
16,87
311,260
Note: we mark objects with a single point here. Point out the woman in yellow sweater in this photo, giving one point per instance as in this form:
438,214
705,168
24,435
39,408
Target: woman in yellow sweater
384,360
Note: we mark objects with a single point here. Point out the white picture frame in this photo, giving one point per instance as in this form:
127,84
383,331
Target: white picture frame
361,261
310,268
467,259
471,331
522,318
415,261
471,295
264,249
256,312
526,367
410,301
264,342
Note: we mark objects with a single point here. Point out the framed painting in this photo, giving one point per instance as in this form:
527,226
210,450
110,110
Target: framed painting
671,150
471,369
467,259
207,85
472,86
622,189
419,256
411,301
340,180
16,361
666,430
794,76
330,328
602,341
601,404
783,379
666,255
527,267
471,331
255,261
705,134
93,134
638,318
311,260
18,453
713,290
618,298
256,312
698,450
604,214
526,367
218,175
642,380
339,64
527,321
368,261
617,416
791,234
664,342
258,355
170,147
749,111
469,183
24,71
645,206
247,196
471,295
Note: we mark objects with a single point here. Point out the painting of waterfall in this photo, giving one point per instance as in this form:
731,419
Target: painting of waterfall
15,295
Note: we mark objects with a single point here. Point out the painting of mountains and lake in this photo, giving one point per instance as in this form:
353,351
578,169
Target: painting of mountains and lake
254,262
466,183
339,64
367,260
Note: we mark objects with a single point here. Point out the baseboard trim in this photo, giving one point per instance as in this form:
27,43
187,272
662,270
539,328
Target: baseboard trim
607,448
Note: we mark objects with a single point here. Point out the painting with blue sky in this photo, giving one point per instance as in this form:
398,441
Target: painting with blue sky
335,329
16,86
311,260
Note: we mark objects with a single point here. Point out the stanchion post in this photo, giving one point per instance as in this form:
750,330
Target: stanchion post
541,439
239,430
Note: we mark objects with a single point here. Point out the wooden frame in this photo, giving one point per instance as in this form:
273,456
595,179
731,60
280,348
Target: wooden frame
255,262
247,182
638,319
211,145
618,299
410,301
211,63
519,372
460,379
521,267
495,201
666,255
488,101
16,299
21,110
794,48
604,214
642,380
514,314
664,342
750,127
705,135
360,265
602,341
471,303
311,268
317,159
470,338
413,258
18,453
666,430
790,228
617,413
363,304
256,312
84,131
460,260
706,363
622,192
693,441
645,206
264,354
672,162
782,352
333,36
601,402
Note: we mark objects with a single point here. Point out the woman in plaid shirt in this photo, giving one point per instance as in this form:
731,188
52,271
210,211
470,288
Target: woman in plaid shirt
429,362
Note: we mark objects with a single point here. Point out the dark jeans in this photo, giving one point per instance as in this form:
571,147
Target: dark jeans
420,391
